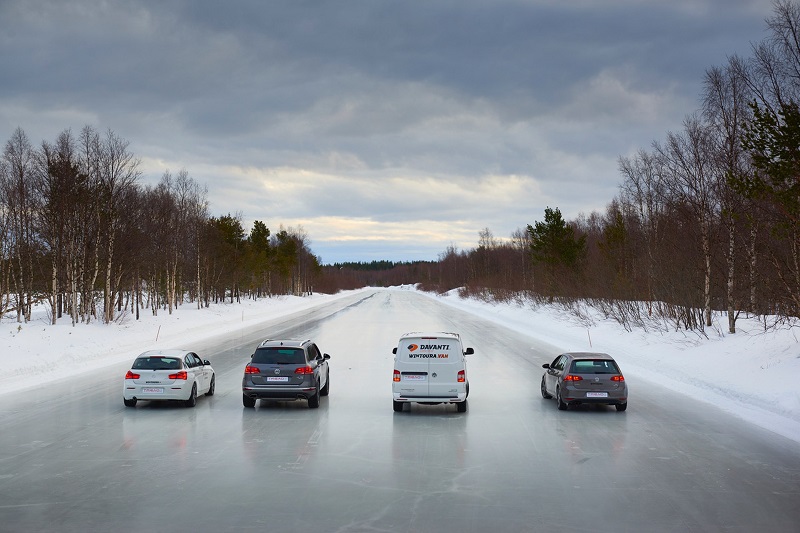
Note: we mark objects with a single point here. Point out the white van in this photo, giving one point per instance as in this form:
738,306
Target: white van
430,368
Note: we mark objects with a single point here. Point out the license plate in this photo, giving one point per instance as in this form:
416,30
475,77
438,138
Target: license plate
414,377
279,378
152,390
597,395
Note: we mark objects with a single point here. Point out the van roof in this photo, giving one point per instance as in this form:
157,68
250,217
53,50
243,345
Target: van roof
433,335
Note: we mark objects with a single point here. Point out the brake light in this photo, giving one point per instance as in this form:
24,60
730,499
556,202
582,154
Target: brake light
131,375
179,375
570,377
251,370
462,377
618,378
396,376
304,370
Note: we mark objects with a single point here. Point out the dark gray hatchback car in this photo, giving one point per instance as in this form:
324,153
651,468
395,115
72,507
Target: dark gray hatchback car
286,370
575,378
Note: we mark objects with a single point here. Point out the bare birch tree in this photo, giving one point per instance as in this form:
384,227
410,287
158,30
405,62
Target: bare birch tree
643,189
20,202
693,181
725,107
119,171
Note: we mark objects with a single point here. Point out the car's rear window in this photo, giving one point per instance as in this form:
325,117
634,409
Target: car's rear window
279,356
594,366
157,363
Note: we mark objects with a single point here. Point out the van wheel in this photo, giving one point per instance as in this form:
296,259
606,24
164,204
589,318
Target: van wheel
462,406
397,406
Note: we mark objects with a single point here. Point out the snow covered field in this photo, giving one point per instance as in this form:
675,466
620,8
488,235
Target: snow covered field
753,374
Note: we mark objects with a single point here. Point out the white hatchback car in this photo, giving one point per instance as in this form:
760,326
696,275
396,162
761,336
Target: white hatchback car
430,368
177,375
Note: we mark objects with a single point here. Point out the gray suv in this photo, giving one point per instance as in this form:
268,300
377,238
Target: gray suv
286,370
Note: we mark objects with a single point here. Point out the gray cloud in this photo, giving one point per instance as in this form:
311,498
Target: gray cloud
353,117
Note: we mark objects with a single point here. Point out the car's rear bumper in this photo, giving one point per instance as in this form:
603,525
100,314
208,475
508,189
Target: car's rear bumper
279,393
461,397
576,397
169,392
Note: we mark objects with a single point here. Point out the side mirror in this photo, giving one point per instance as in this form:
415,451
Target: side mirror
252,355
469,351
326,356
206,362
546,365
394,350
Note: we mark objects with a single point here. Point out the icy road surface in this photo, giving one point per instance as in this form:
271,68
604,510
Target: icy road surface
73,458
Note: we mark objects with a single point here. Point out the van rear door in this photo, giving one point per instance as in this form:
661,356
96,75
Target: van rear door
413,369
447,359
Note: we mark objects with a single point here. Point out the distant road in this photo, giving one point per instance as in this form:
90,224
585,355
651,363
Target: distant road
73,458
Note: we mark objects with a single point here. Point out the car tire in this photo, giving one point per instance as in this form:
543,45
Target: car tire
313,401
462,406
212,386
545,394
192,401
622,406
327,388
397,406
561,405
129,403
247,401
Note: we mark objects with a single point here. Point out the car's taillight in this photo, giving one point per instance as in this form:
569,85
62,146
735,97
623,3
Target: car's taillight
462,376
304,370
617,378
570,377
251,370
131,375
179,375
396,376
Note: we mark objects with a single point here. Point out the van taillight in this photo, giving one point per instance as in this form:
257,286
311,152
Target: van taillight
131,375
570,377
251,370
179,375
304,370
396,376
462,376
617,378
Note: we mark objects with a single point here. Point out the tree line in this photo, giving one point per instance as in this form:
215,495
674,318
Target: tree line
79,232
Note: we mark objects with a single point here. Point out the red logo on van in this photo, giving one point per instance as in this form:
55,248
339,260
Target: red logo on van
412,347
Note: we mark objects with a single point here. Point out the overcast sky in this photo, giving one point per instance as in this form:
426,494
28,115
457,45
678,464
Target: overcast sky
385,129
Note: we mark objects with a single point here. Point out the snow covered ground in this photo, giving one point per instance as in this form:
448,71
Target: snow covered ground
753,374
